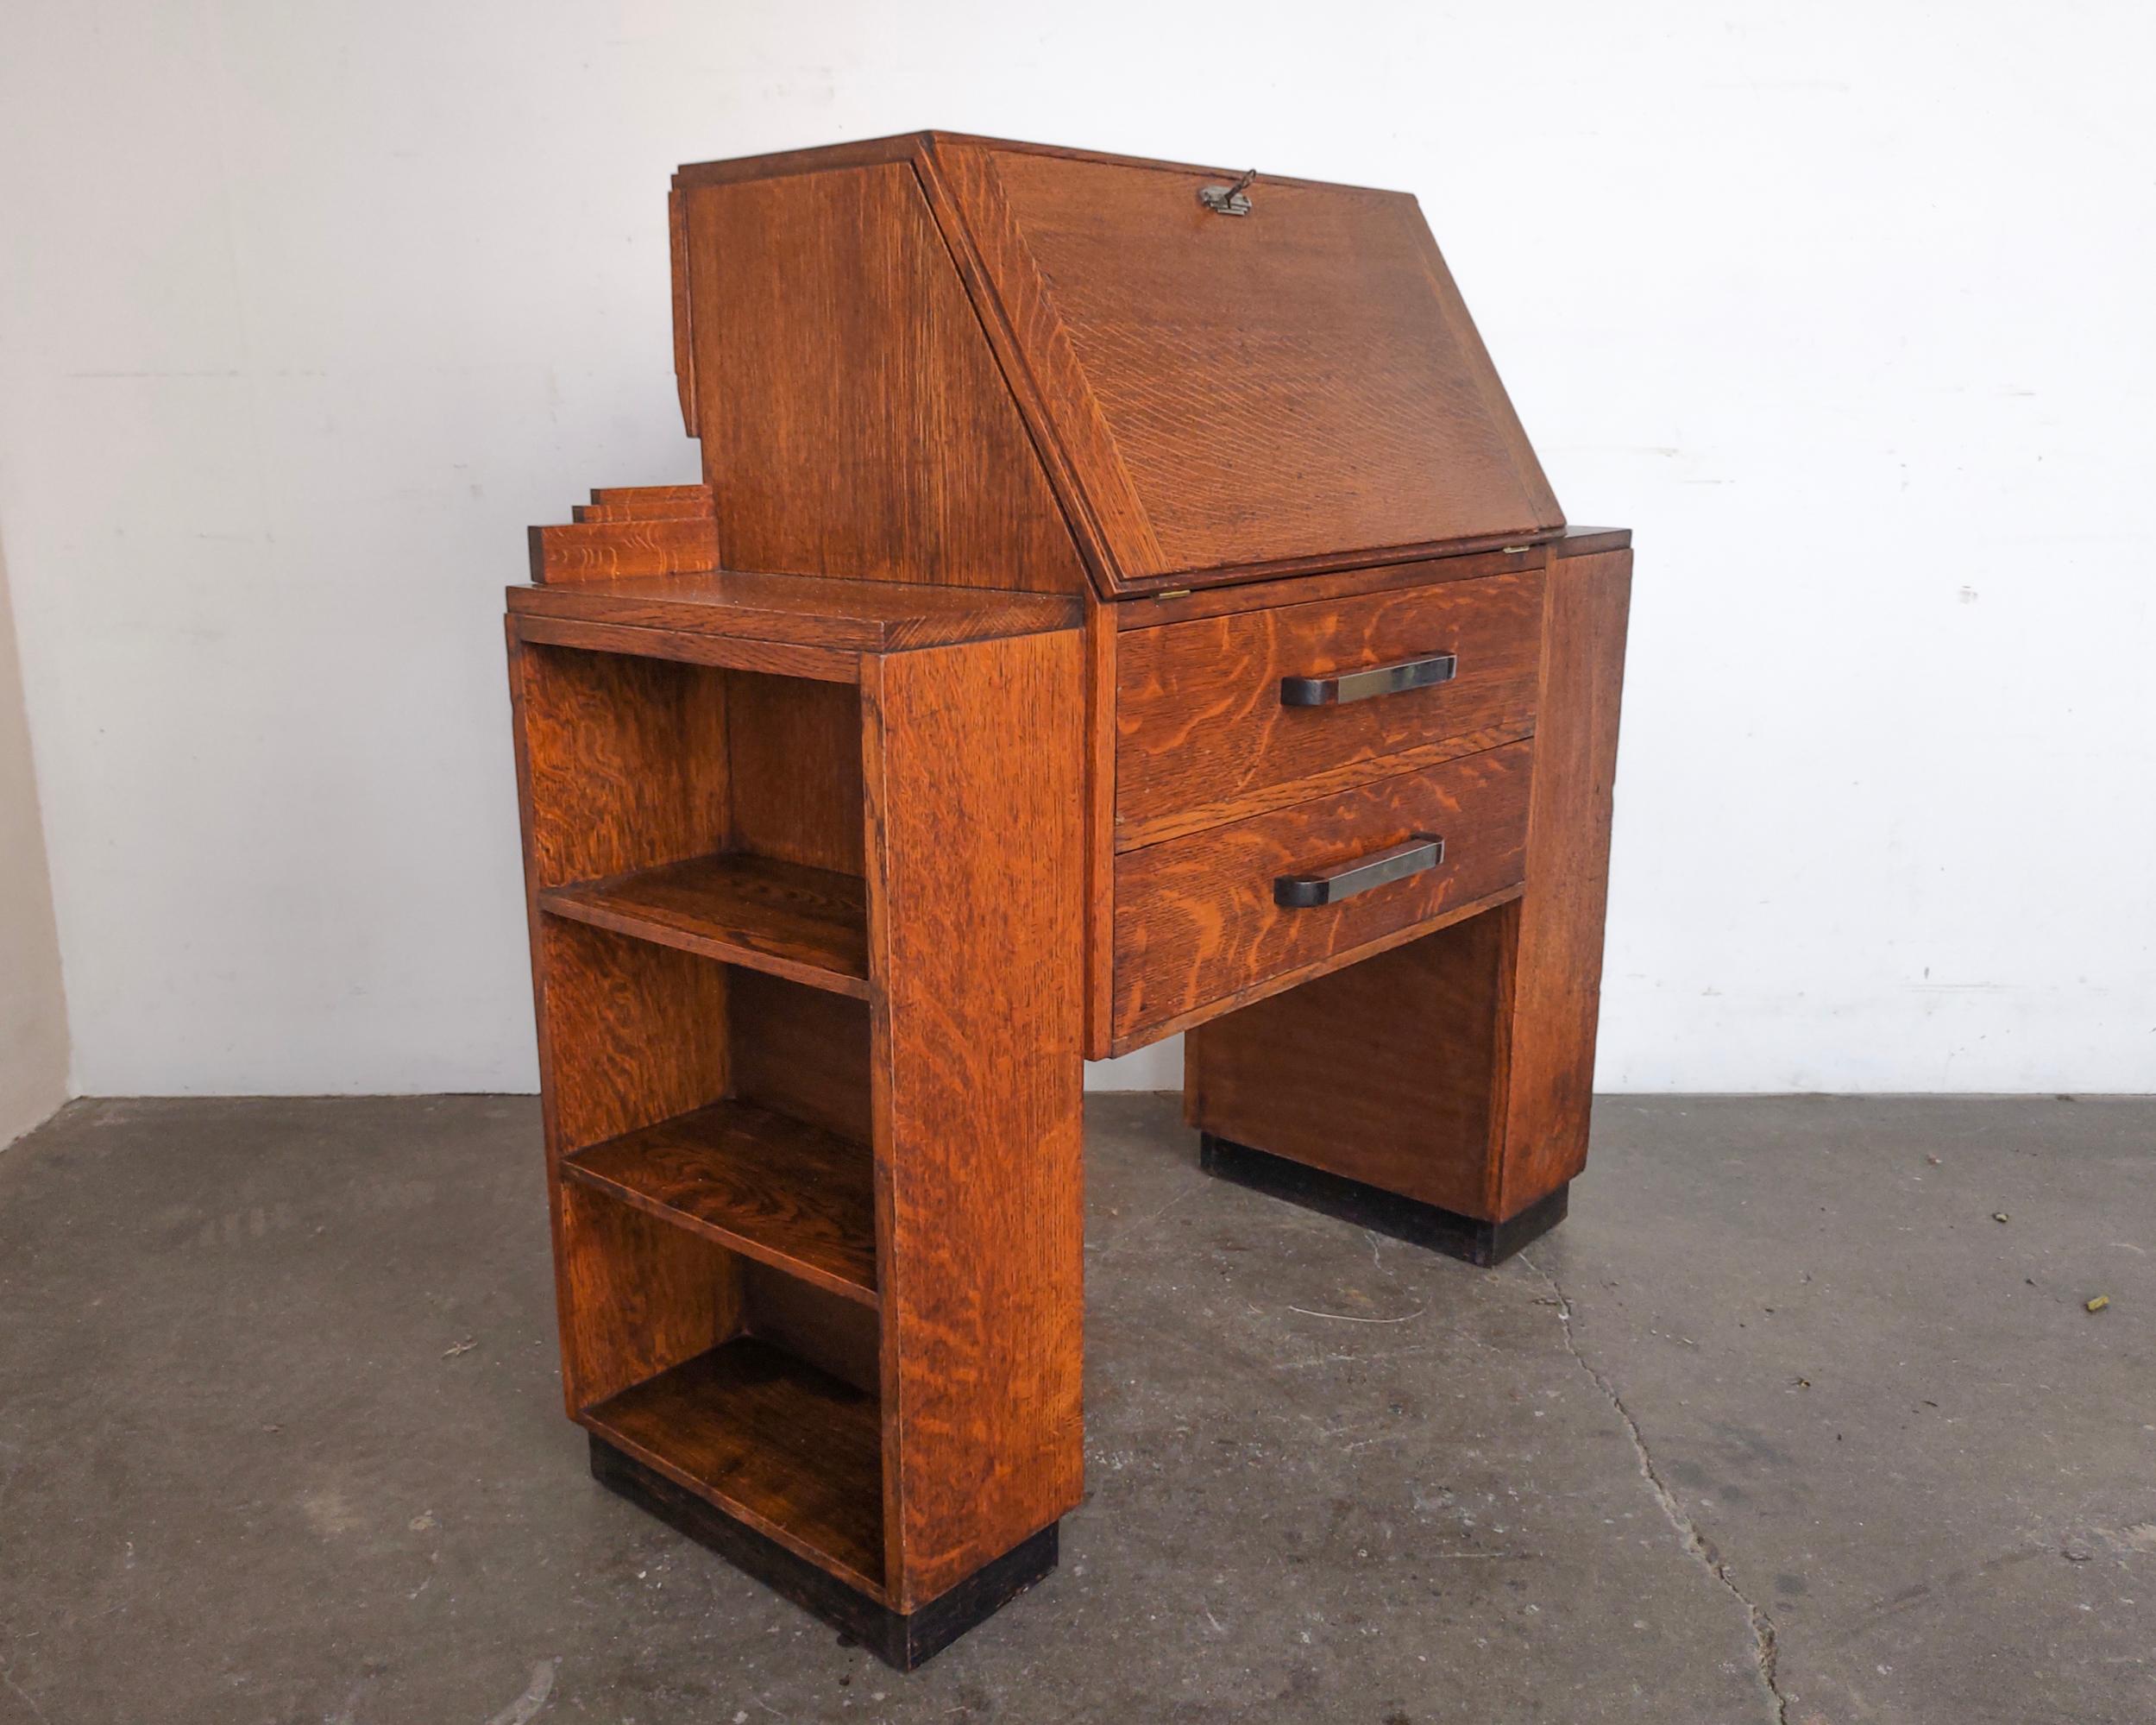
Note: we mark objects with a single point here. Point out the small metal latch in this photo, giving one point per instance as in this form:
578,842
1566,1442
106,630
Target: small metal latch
1228,200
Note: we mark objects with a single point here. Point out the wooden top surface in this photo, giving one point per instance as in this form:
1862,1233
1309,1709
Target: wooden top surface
868,616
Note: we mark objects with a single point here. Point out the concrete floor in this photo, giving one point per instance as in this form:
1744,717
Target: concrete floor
1782,1423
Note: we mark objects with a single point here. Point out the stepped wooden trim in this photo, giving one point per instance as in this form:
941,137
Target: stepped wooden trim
789,1450
763,1183
808,925
698,494
600,550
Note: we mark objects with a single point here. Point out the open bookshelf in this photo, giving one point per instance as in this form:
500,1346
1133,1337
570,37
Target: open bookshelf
772,1172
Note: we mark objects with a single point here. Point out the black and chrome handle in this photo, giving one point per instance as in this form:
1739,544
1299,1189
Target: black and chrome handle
1339,689
1344,880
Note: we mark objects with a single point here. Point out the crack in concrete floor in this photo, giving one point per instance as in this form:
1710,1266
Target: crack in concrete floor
1695,1545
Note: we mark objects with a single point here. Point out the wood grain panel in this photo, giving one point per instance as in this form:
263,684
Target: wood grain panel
1203,737
1386,1071
834,1335
684,335
635,1295
1078,450
854,421
1557,991
1303,381
976,910
1195,917
807,924
790,1450
631,1034
756,1181
802,1051
1101,639
624,761
795,754
600,551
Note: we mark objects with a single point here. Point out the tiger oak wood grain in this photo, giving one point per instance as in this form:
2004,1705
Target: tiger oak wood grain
1233,391
1195,917
626,762
1203,737
853,419
1553,1004
800,1051
809,924
602,550
693,647
634,1034
1501,1020
793,760
1100,827
934,742
757,1181
868,616
637,1295
790,1450
684,336
1386,1071
977,1036
836,1336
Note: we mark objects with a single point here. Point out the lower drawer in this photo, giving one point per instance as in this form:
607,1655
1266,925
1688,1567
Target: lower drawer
1201,919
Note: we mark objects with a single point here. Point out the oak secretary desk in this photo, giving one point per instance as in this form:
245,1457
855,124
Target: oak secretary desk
1120,600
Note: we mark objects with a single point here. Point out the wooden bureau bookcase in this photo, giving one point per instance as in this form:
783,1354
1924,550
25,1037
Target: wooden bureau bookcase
1120,600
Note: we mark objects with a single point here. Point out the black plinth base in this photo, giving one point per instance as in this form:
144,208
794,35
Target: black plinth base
1373,1207
905,1640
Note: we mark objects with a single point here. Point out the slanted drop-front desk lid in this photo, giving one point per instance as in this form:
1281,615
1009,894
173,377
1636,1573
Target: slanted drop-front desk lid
1298,382
1217,379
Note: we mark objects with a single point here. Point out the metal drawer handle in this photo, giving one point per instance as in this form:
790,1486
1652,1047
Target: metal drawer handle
1360,685
1344,880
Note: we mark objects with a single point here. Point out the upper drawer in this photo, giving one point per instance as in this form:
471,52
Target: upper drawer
1206,733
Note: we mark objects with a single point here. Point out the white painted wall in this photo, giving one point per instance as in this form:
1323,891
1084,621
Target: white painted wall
306,310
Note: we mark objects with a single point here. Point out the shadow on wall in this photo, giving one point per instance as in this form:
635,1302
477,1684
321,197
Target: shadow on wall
33,1009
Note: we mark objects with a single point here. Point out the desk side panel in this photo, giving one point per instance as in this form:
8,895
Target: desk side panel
974,783
1556,997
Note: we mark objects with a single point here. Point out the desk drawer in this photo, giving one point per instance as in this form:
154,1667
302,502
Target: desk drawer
1202,918
1207,732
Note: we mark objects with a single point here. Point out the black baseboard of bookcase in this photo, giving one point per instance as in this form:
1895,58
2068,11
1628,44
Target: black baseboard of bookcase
904,1640
1479,1242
